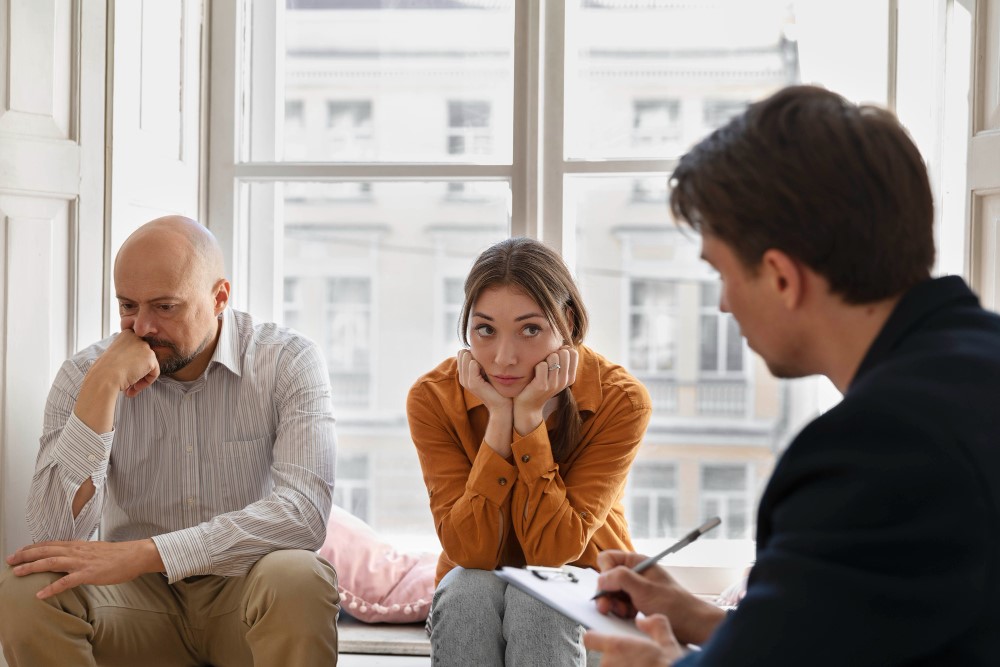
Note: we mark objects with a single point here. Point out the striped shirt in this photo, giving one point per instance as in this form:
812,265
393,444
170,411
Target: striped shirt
218,471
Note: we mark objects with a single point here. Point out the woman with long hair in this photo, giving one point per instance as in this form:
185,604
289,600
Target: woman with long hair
525,439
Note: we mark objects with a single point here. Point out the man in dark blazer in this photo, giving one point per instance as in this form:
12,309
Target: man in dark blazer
878,539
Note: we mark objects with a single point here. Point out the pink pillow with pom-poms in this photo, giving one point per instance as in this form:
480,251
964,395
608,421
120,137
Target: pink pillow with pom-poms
377,583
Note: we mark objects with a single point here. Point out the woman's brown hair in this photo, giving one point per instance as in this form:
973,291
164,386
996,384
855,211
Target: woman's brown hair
540,273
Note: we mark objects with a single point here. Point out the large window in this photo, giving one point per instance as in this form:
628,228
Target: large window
368,151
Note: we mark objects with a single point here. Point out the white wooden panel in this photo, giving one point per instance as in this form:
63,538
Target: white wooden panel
155,112
161,47
984,156
986,239
987,115
39,36
36,260
29,164
52,91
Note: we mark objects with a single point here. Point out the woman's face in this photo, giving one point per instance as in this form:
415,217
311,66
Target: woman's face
508,336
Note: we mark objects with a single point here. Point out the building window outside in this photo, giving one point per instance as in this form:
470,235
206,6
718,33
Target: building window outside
448,118
292,302
723,388
652,499
453,295
726,492
470,132
653,339
718,112
353,488
349,129
349,335
656,123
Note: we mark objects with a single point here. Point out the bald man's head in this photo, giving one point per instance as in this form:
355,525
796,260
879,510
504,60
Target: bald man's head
181,239
171,288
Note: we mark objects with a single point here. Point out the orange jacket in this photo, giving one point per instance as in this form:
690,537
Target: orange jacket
489,511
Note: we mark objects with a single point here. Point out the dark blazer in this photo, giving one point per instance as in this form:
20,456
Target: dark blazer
878,535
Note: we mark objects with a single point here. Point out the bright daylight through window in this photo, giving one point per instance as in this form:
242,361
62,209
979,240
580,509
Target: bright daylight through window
379,149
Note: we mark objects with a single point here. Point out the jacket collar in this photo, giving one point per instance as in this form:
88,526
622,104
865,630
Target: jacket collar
913,309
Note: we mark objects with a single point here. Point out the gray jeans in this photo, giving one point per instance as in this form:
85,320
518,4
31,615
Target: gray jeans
477,619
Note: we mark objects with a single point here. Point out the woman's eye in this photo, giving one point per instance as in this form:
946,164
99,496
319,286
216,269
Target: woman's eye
484,330
532,330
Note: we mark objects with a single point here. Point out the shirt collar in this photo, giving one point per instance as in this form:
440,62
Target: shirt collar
227,350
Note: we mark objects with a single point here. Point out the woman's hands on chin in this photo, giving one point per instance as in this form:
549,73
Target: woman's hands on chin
499,430
552,374
471,376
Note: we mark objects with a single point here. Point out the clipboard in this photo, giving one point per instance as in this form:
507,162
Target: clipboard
569,590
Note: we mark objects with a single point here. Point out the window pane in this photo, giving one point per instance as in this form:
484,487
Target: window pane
377,283
656,475
418,81
734,345
666,521
709,352
648,79
639,517
724,478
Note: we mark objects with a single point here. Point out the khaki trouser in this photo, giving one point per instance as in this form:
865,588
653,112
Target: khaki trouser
283,612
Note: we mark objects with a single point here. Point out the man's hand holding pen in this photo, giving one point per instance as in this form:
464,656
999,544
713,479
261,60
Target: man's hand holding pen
653,591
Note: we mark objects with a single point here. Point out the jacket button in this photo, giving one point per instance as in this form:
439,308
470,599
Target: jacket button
525,458
502,481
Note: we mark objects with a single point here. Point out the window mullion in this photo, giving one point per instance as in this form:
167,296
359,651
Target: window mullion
550,227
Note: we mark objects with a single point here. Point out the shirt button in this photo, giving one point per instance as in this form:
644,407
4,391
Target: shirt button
502,481
190,501
525,458
189,449
91,458
583,515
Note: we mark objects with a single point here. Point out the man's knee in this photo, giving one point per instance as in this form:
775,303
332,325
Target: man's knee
298,578
19,607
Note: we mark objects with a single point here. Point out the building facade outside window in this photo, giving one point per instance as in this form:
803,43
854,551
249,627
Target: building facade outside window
340,226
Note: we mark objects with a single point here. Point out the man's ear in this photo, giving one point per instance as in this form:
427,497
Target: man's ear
221,293
786,276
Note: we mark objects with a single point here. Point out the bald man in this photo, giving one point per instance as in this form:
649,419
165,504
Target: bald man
203,445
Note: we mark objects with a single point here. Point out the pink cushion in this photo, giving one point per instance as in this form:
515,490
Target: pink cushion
377,583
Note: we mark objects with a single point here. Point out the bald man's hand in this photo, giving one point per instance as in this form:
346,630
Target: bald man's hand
130,362
128,365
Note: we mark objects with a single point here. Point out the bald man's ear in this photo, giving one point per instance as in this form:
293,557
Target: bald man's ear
221,293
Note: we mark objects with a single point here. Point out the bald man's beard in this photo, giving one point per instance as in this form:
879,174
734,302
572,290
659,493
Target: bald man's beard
177,360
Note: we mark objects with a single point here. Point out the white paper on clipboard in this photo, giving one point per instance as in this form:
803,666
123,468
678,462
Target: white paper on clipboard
571,598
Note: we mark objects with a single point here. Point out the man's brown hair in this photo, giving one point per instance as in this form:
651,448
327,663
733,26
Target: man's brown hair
838,186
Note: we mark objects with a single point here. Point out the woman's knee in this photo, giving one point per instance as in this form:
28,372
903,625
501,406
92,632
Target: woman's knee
462,587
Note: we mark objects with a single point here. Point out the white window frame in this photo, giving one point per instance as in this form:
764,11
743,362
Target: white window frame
538,167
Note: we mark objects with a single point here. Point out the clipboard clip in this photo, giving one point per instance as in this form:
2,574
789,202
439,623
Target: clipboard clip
545,573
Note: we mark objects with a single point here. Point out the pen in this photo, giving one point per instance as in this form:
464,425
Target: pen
676,546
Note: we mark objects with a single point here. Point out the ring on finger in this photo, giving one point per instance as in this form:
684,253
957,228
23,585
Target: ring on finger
555,366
